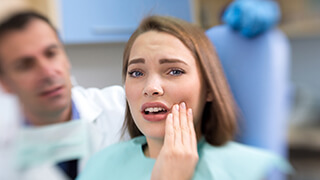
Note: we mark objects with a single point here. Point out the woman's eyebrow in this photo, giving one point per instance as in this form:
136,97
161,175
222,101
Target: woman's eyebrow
163,61
136,61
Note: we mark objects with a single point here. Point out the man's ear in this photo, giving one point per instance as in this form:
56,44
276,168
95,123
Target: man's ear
209,96
69,66
5,85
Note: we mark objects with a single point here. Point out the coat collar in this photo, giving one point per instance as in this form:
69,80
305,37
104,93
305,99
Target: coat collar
86,107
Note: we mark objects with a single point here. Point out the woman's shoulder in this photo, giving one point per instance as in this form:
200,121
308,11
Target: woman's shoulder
111,158
120,148
243,151
243,161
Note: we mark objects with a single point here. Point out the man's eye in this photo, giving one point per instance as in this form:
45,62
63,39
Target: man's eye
25,64
50,54
135,73
176,72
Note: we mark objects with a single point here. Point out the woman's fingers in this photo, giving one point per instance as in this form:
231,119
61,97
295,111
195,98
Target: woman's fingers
184,126
179,130
169,131
193,137
180,147
176,125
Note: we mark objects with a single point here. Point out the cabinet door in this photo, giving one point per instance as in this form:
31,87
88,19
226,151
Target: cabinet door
94,21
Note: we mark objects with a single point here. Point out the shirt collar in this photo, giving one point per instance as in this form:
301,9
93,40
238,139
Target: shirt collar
75,112
75,115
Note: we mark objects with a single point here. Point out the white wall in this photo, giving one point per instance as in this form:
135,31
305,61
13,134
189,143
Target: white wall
306,62
96,65
99,65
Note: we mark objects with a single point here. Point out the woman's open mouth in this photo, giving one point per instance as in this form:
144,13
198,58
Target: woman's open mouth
154,111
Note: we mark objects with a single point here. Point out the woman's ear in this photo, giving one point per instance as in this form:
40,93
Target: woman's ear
209,96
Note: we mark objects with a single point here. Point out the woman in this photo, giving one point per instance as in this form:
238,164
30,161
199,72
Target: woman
177,96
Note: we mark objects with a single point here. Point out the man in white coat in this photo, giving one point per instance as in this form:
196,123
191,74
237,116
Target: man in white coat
60,125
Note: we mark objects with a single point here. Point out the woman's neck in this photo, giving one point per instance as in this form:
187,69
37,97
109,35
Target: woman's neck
153,147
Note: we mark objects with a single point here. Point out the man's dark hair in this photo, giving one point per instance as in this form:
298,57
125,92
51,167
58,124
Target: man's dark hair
19,21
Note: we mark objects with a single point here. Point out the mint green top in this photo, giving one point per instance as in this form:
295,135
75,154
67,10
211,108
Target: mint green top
233,161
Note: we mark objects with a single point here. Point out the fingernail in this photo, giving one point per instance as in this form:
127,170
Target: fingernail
190,111
177,107
183,105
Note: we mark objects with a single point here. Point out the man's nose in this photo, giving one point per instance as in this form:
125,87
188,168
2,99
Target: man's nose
45,67
153,87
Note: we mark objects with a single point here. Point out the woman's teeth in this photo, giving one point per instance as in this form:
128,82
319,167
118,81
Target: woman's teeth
154,110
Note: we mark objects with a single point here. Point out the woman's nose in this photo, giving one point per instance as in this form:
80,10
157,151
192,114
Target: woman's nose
153,88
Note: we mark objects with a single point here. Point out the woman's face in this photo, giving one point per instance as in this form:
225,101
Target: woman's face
162,72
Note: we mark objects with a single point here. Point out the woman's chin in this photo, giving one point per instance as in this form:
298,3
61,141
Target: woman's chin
155,135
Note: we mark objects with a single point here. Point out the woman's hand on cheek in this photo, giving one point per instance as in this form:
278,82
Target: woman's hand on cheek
178,156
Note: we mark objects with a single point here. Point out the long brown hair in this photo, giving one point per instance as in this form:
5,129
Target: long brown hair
219,116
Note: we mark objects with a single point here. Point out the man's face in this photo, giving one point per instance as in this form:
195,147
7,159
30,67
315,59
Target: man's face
36,69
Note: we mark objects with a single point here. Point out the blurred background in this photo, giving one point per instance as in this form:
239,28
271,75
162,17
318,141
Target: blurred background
95,32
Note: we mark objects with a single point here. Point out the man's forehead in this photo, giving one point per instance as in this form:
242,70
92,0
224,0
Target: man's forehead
35,37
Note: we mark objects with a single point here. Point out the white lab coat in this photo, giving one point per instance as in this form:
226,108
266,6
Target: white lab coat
103,109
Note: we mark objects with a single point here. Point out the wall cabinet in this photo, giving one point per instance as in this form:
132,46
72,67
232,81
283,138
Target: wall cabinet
94,21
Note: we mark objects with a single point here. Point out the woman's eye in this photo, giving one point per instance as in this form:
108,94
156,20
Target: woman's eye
176,72
135,73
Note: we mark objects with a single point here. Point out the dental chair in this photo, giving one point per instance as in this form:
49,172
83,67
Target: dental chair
257,70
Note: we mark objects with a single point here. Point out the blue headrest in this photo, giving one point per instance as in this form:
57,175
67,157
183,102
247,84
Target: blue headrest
257,70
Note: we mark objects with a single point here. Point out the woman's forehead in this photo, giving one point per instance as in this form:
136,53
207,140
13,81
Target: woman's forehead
159,44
